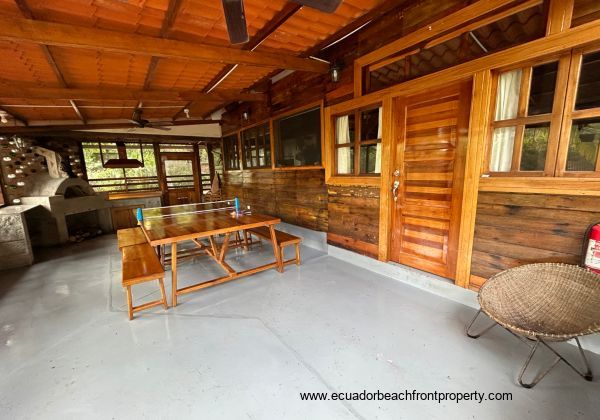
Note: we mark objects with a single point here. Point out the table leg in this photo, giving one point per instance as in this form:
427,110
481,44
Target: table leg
276,249
174,273
224,247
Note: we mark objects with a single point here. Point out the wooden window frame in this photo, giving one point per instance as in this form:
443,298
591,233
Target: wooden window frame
522,119
226,152
570,114
356,107
259,143
275,139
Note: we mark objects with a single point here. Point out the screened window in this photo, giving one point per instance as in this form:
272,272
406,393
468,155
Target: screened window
256,147
458,47
358,142
120,179
231,154
298,139
521,127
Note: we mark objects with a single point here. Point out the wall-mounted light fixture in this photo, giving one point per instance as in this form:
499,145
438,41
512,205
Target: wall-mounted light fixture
335,71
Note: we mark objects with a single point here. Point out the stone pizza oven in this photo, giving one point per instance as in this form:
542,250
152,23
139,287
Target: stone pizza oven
68,205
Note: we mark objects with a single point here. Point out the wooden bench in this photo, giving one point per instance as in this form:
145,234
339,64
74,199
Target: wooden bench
141,264
283,239
131,236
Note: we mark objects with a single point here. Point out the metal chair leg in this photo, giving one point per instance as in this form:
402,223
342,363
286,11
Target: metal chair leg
541,375
587,375
468,328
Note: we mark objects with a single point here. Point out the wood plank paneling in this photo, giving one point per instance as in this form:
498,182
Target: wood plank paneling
513,229
354,218
297,197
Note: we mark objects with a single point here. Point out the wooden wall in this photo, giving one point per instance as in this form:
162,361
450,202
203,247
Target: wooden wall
513,229
298,197
354,218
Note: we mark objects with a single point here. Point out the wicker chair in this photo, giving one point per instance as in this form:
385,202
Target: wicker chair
542,303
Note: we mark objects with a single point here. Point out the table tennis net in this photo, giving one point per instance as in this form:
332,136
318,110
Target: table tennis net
192,208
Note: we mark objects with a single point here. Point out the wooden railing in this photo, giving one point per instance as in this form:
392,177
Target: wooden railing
148,183
125,184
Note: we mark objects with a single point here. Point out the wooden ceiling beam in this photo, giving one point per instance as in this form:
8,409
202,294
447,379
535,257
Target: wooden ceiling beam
170,15
15,90
28,14
271,26
91,124
64,35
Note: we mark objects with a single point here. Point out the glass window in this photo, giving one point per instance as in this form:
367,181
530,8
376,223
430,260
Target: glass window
507,96
256,145
367,144
231,155
521,127
583,145
588,89
345,160
535,146
543,83
298,139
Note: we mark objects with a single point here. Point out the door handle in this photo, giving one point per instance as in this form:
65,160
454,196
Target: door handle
395,189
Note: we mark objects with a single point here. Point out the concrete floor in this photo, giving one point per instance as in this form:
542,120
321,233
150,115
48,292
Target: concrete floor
246,349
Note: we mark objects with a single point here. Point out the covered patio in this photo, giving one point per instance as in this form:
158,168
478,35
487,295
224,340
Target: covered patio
234,209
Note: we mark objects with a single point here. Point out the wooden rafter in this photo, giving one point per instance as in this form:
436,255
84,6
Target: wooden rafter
27,13
91,124
15,90
50,33
170,15
279,19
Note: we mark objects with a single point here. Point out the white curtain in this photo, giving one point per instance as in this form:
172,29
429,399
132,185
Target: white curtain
378,151
342,135
507,103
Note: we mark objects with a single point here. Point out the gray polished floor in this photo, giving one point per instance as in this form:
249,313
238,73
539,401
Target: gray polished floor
246,349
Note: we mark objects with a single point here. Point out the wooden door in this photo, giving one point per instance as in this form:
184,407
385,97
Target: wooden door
429,171
181,183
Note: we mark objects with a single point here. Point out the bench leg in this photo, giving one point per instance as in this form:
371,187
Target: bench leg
276,249
297,254
163,295
129,302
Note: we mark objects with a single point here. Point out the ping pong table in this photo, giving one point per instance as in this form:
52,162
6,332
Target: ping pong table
193,222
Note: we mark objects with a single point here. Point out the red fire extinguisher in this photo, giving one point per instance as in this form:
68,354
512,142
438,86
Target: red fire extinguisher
591,254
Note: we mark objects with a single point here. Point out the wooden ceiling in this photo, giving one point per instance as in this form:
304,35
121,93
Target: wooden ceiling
93,60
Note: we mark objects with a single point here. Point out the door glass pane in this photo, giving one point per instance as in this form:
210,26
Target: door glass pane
369,124
588,89
583,146
345,160
370,159
507,98
344,129
502,149
535,146
543,84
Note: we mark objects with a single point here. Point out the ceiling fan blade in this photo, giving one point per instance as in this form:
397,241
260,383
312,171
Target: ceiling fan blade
236,21
136,122
159,123
327,6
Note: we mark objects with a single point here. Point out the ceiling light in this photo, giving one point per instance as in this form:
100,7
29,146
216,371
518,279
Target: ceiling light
187,113
3,118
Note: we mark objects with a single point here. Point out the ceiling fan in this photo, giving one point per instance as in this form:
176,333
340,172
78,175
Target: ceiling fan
140,122
236,18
